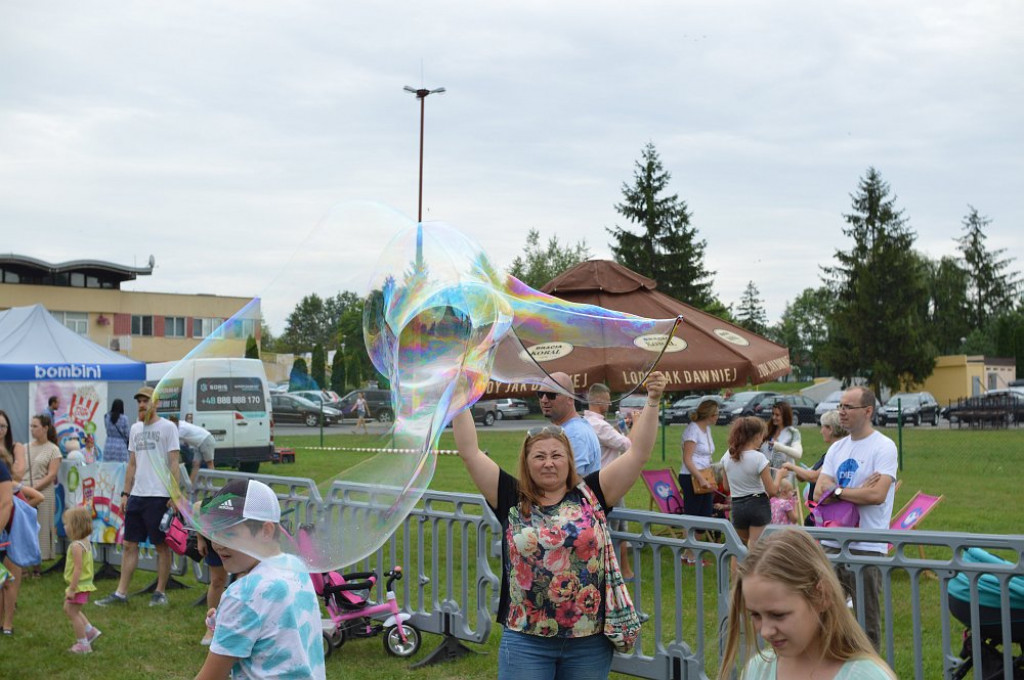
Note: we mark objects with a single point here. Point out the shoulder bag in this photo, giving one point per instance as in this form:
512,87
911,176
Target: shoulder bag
621,622
23,537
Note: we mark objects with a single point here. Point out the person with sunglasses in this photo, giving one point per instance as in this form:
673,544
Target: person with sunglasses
560,408
552,580
861,469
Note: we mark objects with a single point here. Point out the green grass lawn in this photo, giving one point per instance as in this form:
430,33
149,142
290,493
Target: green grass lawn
976,471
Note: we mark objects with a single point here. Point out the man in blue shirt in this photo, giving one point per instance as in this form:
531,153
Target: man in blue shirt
560,409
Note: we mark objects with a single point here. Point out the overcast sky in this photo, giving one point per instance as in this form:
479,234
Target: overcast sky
217,135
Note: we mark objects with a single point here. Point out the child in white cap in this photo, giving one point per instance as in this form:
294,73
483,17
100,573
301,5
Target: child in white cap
268,621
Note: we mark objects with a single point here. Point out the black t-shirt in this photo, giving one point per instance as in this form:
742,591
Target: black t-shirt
508,496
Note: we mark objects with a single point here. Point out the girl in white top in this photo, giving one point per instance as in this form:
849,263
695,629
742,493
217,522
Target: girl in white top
749,479
787,593
782,444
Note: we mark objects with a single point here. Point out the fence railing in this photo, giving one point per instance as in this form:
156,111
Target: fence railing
450,550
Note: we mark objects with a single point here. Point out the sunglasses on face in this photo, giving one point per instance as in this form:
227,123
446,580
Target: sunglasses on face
550,396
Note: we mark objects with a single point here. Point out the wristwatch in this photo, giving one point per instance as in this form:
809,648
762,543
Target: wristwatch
839,492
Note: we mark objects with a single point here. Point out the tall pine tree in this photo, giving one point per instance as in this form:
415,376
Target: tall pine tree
750,314
666,248
877,329
992,289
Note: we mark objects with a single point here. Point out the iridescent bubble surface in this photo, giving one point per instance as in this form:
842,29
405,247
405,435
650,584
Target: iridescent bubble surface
440,321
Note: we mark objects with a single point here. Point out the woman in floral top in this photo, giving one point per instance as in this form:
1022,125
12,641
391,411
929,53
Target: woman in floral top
552,582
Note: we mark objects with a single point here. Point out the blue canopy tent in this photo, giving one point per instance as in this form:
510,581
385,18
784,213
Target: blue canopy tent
34,346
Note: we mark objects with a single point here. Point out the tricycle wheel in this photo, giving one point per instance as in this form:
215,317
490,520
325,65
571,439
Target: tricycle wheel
393,644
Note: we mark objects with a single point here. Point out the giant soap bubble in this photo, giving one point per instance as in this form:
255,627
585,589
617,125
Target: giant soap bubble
441,325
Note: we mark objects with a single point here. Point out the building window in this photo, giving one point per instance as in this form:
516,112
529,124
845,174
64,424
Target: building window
76,321
205,327
174,326
142,325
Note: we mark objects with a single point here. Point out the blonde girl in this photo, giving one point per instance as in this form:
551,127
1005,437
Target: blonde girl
78,573
787,593
784,510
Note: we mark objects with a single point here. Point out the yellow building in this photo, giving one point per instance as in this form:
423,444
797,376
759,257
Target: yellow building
86,296
960,375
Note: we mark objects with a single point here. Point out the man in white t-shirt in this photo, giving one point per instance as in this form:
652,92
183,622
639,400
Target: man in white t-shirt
613,444
145,499
862,470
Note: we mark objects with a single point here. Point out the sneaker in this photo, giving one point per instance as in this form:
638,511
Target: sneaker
207,639
158,600
112,599
79,648
93,634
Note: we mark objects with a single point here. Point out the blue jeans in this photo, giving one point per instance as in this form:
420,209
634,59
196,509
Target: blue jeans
532,657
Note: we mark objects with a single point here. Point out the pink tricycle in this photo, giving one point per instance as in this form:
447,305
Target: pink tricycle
352,616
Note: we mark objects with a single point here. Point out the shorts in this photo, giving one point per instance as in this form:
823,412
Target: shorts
81,597
751,511
207,449
142,518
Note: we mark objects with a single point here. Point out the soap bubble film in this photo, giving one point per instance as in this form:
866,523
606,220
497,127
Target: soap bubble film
440,324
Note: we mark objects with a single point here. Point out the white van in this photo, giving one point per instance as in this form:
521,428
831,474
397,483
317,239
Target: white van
227,397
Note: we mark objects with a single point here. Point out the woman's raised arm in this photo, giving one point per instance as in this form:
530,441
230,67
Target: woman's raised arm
482,470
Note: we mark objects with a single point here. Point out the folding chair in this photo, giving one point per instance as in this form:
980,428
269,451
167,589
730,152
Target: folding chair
916,509
665,496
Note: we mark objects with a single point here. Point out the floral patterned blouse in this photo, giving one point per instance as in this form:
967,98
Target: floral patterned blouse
552,582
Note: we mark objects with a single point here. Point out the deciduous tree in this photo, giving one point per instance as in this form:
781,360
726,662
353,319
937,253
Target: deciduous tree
539,264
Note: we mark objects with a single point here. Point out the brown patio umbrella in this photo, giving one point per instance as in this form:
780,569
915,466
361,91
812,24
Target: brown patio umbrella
706,352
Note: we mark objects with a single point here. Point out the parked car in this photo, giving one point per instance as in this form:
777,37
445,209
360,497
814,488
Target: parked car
288,408
679,412
328,398
378,400
485,412
918,407
634,402
831,403
511,408
746,404
803,408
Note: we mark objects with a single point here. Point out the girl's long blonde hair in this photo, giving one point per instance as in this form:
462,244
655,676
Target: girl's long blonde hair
794,559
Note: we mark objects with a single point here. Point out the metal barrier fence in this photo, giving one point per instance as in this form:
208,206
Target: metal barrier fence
449,548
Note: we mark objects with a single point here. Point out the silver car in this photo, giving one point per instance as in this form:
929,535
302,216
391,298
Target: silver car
512,408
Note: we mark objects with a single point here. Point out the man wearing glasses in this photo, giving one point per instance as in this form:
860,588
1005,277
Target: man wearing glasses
862,470
561,410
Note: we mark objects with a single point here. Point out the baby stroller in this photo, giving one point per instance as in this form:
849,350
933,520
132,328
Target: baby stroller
352,615
990,630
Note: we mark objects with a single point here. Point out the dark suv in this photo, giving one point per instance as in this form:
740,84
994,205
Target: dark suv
746,404
379,402
918,407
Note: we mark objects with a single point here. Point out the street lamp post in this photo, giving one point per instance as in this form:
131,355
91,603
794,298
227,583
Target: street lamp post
422,94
